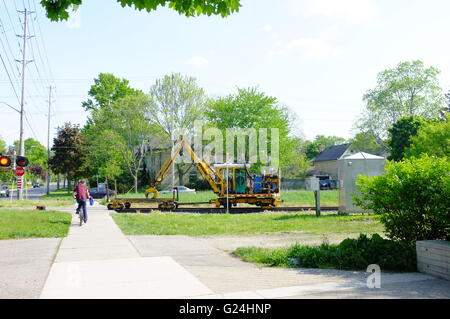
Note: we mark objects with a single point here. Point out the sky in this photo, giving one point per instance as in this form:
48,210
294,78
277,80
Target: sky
318,57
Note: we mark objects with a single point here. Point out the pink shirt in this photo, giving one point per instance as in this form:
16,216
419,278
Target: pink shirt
81,192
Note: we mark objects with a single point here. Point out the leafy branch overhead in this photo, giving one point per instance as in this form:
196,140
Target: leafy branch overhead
58,10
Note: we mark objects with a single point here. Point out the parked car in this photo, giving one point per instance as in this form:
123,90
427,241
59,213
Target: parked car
36,185
181,189
4,191
328,184
101,192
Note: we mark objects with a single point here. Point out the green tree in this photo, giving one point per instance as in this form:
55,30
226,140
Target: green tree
400,135
69,152
433,138
58,10
250,108
410,89
176,102
107,89
118,135
104,161
312,149
2,145
365,142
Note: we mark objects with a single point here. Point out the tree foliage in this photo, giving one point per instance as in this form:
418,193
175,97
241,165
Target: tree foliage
176,102
58,10
410,89
412,197
251,108
401,133
433,138
365,141
117,137
69,152
107,89
314,148
2,145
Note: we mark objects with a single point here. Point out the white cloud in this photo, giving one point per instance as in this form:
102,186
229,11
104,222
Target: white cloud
307,48
74,20
198,61
267,28
351,11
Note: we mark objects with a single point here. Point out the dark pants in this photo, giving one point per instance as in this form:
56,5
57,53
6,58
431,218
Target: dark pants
82,205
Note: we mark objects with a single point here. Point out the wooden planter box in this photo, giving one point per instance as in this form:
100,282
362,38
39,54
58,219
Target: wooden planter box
433,257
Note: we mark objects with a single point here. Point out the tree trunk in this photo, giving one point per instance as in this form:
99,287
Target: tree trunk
136,183
57,182
180,175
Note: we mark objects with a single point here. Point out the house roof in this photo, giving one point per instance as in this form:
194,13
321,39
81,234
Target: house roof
362,155
332,153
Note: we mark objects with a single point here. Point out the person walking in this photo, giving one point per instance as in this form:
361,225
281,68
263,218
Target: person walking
81,194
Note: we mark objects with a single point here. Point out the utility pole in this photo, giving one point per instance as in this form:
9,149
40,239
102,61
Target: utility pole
48,139
22,101
172,135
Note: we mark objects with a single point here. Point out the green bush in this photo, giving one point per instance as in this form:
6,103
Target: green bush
199,184
357,254
350,254
413,198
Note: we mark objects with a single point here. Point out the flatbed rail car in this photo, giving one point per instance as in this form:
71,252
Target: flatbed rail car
119,204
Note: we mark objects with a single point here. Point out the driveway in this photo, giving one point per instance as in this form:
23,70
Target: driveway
24,266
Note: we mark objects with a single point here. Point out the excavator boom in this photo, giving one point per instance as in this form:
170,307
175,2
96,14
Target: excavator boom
213,178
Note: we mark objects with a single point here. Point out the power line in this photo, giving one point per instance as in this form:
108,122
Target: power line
9,46
43,43
9,77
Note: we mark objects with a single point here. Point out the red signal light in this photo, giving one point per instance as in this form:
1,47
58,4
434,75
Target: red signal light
22,161
5,161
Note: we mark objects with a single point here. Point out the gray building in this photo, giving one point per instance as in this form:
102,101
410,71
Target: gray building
349,168
327,162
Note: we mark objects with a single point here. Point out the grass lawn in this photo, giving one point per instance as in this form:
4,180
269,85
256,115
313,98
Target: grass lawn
33,223
245,224
59,194
291,198
34,203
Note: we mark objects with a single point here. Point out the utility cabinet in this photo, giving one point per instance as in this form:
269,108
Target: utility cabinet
349,168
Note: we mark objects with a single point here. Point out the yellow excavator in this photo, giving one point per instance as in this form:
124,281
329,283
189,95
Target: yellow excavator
213,178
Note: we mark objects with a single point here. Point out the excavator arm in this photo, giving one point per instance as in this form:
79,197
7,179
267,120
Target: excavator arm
213,178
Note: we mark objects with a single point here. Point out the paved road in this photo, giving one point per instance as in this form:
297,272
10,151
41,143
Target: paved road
33,193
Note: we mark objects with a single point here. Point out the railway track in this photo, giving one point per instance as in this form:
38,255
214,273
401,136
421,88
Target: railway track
236,210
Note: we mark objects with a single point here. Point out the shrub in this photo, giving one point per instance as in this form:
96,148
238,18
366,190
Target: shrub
199,184
350,254
357,254
413,197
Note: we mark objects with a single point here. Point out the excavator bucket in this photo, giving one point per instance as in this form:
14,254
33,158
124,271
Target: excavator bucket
153,191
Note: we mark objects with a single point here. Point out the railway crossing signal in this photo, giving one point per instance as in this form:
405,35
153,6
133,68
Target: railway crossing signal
5,161
22,161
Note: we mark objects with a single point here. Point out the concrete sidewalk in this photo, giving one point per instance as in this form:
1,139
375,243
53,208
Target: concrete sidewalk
97,261
231,278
